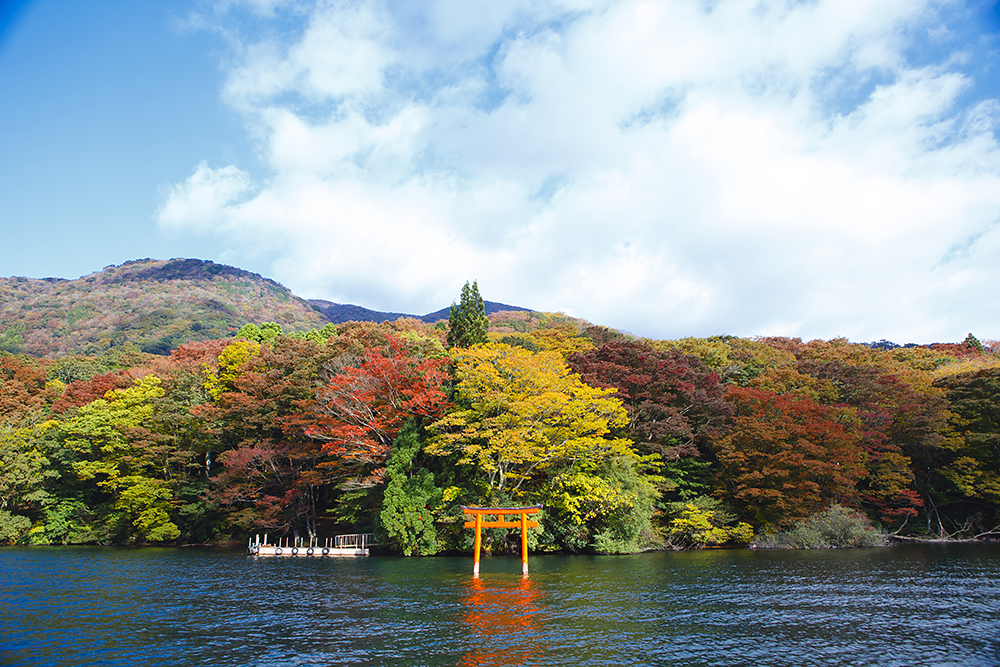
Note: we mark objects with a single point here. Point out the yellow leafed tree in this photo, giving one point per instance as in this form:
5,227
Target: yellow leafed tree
520,413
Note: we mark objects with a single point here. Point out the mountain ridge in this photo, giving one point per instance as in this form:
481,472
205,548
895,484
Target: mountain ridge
157,305
345,312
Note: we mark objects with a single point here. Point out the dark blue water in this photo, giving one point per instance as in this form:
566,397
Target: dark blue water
914,605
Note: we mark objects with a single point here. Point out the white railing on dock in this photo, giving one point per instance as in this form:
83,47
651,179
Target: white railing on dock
354,541
355,544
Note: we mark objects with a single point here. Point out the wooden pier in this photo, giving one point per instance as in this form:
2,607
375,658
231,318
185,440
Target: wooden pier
355,544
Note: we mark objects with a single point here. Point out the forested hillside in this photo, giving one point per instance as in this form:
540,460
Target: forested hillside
155,305
388,427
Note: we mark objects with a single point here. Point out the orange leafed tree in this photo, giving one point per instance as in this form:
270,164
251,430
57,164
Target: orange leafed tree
898,416
786,457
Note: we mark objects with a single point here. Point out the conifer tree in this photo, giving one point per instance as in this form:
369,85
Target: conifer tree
467,322
973,342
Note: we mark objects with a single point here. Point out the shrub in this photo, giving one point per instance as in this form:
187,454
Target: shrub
703,522
836,527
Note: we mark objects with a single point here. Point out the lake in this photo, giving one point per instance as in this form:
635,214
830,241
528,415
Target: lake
910,605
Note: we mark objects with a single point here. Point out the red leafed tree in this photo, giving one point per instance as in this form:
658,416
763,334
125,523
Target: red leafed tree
361,410
786,457
271,485
195,356
81,392
673,399
272,476
896,421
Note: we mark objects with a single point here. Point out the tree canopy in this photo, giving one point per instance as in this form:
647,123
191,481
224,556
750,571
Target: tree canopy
522,413
627,444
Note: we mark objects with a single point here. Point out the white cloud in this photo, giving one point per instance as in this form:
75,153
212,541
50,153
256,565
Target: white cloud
201,201
671,168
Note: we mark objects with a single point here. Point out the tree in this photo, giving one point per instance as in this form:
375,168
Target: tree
897,416
361,410
561,337
538,434
973,464
524,414
24,474
271,485
270,330
111,436
674,400
973,342
81,392
467,322
250,332
409,500
675,405
234,359
786,457
607,504
272,474
265,333
703,522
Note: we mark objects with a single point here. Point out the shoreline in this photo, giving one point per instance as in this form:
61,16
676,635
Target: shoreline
893,540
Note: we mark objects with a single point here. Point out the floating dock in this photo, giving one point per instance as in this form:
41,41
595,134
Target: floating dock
355,544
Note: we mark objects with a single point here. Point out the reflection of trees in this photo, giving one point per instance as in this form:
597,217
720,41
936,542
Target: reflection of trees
502,617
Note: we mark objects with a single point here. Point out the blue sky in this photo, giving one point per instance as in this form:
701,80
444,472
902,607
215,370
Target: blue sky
677,168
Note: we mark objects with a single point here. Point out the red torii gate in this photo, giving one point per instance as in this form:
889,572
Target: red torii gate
501,512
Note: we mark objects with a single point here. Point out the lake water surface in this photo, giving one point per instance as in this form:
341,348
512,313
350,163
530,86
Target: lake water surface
912,605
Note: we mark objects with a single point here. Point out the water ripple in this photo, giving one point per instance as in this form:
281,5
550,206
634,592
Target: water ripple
927,605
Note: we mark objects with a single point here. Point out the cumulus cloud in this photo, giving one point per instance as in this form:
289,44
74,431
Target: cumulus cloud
669,168
201,202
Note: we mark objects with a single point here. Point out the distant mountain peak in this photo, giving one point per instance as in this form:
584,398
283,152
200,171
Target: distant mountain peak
178,268
346,312
153,304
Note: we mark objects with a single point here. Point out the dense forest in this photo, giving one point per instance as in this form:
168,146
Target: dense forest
626,443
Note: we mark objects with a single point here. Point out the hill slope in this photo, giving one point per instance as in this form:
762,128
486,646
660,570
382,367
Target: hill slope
160,304
155,304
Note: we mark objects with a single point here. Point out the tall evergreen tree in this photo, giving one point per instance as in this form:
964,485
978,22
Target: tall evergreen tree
467,322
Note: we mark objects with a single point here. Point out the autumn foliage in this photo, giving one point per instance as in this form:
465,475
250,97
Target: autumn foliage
362,408
627,443
786,457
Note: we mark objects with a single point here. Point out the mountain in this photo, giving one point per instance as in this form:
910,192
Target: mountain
345,312
158,305
154,304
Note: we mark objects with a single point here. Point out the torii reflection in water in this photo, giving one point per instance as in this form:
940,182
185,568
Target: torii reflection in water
503,618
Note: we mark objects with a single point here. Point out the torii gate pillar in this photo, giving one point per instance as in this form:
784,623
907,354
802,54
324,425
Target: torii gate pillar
500,522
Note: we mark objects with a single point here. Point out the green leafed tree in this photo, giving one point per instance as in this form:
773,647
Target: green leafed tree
24,474
410,496
119,453
251,332
270,330
264,333
467,322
